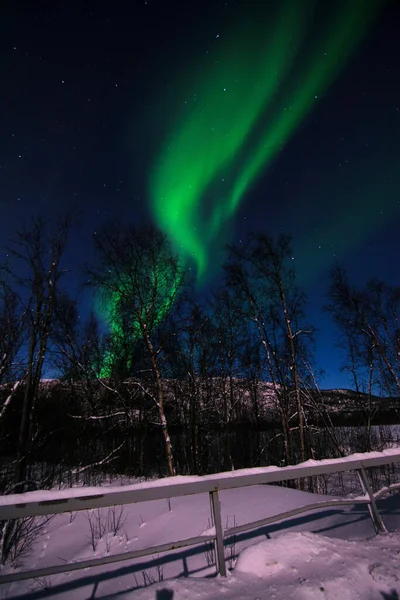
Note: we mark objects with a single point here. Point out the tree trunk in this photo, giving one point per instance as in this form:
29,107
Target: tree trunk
160,405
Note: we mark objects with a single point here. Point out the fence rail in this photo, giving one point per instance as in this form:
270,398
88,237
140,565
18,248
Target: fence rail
42,502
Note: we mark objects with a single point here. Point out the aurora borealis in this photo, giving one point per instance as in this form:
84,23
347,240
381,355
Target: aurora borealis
142,283
210,119
266,77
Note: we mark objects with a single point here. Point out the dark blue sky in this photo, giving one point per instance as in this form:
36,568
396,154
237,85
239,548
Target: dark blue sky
80,84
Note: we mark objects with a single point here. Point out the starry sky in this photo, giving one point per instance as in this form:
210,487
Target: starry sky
211,118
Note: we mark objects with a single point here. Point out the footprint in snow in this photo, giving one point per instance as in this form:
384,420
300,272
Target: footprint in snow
382,574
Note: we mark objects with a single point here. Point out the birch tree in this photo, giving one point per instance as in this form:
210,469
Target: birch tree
138,279
35,271
11,340
368,319
261,272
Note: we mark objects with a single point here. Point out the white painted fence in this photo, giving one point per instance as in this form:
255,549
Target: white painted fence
54,502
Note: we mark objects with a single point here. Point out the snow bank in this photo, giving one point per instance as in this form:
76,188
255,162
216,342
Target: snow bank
303,559
305,565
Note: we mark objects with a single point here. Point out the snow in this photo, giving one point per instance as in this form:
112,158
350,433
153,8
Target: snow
329,553
87,492
178,485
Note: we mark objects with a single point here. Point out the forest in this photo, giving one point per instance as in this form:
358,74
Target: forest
163,377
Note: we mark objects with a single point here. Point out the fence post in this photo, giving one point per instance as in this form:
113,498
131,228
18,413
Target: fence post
372,507
219,535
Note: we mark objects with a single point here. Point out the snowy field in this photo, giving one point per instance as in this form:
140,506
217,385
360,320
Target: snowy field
327,554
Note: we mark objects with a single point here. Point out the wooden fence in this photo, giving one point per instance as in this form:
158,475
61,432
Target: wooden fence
15,506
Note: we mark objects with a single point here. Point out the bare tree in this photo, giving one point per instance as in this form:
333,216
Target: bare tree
368,321
139,279
35,270
80,345
198,393
228,338
11,340
261,273
11,331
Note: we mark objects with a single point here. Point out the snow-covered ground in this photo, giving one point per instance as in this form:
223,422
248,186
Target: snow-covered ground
327,554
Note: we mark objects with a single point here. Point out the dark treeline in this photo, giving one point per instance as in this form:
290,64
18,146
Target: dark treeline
198,383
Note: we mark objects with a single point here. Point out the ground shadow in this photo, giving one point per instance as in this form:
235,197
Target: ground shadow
96,579
164,594
392,595
388,507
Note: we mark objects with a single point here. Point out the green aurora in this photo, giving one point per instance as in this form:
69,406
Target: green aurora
243,108
233,117
129,313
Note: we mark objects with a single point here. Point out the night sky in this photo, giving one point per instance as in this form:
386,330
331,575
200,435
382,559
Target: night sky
210,118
